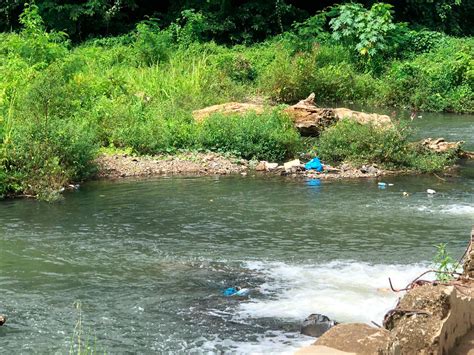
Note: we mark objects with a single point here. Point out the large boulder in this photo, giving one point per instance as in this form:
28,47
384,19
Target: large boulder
308,119
228,108
316,325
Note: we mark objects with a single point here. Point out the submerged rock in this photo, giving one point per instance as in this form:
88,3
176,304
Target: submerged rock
316,325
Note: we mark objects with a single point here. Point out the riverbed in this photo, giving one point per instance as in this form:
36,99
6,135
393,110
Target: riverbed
147,260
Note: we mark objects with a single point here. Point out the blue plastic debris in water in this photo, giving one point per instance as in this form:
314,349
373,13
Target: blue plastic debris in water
233,291
230,291
382,185
314,164
313,182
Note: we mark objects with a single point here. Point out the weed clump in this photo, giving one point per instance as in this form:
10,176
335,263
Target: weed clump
268,136
350,141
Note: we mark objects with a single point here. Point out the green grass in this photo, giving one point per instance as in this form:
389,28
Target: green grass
59,104
350,141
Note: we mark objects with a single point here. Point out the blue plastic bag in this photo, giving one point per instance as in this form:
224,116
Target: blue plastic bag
229,291
314,164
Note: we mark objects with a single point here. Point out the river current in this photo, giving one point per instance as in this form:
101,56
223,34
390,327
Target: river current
147,260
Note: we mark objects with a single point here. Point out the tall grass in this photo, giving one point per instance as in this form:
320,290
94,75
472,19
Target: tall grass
59,104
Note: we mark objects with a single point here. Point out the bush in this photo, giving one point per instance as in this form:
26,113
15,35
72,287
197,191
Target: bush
350,141
152,46
50,154
440,80
269,136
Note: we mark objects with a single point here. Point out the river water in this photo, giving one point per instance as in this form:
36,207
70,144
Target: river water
147,260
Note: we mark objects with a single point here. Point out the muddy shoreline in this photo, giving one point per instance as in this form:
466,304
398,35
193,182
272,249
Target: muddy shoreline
119,166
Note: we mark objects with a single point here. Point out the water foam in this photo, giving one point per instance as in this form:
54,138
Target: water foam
271,342
459,209
343,291
452,209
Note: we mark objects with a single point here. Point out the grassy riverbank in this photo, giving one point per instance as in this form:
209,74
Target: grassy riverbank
59,103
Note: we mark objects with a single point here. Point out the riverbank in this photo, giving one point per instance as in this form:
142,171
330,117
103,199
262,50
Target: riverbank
431,317
61,103
115,166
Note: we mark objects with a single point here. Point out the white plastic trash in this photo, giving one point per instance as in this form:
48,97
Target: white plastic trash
431,191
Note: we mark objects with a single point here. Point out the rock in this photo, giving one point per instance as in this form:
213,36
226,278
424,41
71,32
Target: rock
3,319
345,167
439,145
272,166
372,170
227,109
292,166
266,166
362,117
309,119
261,166
355,338
316,325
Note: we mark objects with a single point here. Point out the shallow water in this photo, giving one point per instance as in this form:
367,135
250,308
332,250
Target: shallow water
148,260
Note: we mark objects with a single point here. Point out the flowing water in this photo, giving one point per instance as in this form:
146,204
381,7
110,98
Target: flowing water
147,260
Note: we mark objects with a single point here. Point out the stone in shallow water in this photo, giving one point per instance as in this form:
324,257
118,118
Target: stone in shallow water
316,325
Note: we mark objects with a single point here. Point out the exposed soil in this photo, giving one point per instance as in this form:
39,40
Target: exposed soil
123,165
191,163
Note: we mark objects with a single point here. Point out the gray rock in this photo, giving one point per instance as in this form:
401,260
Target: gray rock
316,325
372,170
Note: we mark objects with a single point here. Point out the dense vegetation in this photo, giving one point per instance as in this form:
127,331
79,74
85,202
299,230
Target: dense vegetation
226,21
60,102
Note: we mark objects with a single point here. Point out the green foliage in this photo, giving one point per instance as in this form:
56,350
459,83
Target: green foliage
325,70
224,21
444,263
59,104
152,46
349,141
269,136
371,33
439,80
423,41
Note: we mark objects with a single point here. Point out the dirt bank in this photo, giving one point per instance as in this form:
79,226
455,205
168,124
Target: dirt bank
124,165
114,166
430,318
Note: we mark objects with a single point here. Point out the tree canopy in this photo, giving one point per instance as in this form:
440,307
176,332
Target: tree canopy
226,21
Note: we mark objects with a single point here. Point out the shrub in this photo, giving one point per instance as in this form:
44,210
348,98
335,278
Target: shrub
358,143
440,80
152,46
269,136
48,156
370,33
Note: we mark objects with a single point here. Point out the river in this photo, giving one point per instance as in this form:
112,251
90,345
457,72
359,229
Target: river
147,260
